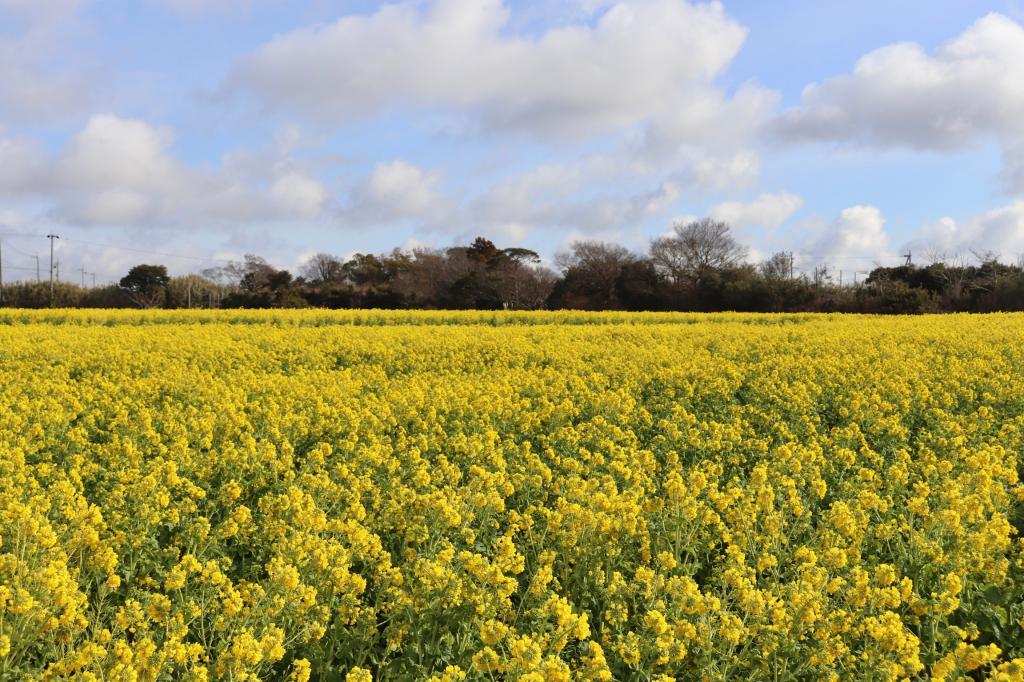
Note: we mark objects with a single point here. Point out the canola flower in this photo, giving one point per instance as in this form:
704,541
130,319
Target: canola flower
442,496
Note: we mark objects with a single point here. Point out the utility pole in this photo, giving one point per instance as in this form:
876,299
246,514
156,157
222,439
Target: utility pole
93,279
907,256
38,279
56,266
51,237
82,270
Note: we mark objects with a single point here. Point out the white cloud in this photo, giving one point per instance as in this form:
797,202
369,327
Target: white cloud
123,172
550,196
407,188
767,210
623,212
856,238
722,171
396,191
118,171
519,203
299,194
709,130
578,196
118,151
999,231
968,91
638,74
634,62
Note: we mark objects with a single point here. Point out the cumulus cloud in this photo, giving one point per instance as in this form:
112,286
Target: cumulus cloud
396,191
118,171
299,195
856,237
578,78
122,172
642,70
567,197
710,130
517,205
623,212
767,210
999,231
609,70
967,91
550,196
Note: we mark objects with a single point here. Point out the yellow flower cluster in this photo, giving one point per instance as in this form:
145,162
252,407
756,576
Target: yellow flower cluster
444,496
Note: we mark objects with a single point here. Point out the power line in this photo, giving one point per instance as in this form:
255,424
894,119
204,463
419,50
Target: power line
17,250
27,255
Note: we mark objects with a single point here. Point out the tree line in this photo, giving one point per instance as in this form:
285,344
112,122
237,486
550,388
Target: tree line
699,266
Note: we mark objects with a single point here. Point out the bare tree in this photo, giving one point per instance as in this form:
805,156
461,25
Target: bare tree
696,248
956,276
987,256
228,275
323,268
428,275
591,270
521,287
257,273
933,255
777,267
602,259
250,274
536,285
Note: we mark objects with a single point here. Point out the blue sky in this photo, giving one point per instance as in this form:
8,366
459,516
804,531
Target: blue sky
845,132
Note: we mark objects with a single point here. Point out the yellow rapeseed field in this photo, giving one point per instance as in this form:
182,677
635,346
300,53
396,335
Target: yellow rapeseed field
487,496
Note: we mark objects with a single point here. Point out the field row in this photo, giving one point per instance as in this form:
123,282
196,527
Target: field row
308,317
